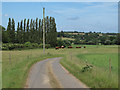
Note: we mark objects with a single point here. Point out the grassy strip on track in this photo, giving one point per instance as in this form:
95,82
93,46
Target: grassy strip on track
15,74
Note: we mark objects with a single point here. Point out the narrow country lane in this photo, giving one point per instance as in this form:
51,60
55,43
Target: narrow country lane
50,74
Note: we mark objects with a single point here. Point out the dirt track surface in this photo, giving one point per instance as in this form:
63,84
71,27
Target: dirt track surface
50,74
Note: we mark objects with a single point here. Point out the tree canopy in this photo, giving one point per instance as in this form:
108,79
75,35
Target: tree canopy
29,30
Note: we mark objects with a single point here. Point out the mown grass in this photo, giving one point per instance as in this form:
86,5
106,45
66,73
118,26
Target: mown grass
98,56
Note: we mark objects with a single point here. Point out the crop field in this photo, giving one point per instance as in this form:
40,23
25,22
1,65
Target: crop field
16,64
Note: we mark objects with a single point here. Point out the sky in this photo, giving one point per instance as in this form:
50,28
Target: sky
69,16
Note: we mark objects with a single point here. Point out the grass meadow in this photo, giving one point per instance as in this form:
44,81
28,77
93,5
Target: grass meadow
16,64
98,56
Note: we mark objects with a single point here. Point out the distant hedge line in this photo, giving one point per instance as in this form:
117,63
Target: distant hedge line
27,45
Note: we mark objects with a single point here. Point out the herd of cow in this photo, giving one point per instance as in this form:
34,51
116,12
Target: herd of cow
68,47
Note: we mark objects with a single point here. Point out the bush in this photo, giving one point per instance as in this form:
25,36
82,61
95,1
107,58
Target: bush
60,43
87,68
63,43
107,42
20,45
10,46
46,46
40,45
35,45
31,45
67,43
27,44
4,47
16,45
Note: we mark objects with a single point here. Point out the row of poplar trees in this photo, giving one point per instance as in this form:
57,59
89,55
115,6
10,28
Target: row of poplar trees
29,30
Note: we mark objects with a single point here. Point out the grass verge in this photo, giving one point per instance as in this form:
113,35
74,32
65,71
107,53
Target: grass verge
15,70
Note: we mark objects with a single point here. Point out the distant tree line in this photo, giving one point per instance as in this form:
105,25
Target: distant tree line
29,30
92,38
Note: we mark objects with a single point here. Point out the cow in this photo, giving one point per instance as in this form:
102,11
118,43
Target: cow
62,47
78,47
69,46
84,46
56,48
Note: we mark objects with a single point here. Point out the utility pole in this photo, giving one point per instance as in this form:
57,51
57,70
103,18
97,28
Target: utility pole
44,30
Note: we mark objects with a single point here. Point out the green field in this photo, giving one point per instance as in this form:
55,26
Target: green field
101,60
16,64
98,56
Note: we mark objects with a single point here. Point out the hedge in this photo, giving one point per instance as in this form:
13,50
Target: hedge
27,45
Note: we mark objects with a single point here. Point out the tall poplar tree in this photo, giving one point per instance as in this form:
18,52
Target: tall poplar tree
53,32
21,32
27,33
12,32
31,30
9,30
24,32
18,33
42,31
36,31
33,36
39,32
47,30
4,34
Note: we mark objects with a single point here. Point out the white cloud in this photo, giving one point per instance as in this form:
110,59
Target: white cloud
95,17
6,15
92,7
